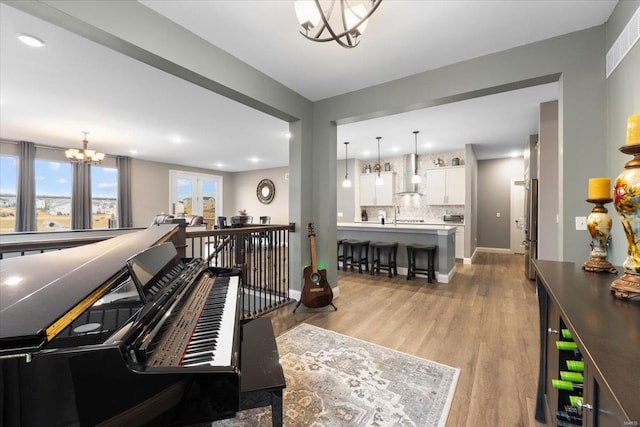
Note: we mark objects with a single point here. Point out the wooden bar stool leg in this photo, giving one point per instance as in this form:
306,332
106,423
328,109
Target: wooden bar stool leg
395,261
345,248
432,266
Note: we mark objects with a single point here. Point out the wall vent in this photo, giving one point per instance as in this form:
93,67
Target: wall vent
625,41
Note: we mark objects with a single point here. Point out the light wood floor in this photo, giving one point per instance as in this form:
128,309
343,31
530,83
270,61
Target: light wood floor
484,322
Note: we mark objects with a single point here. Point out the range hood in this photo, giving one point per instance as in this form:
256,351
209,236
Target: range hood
409,162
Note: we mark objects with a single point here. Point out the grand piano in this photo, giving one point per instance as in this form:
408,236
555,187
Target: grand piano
121,332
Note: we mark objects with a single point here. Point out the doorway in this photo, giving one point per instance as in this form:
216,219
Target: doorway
517,216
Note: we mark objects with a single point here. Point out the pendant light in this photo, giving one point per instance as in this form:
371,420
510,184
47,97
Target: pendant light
379,180
416,179
346,183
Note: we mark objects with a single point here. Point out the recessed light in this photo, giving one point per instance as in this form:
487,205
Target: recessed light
394,149
133,151
219,165
30,40
254,160
288,135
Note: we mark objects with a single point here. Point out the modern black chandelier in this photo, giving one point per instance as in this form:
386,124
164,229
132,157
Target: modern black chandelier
345,26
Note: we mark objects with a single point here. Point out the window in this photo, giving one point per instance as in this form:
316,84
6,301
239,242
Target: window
8,192
198,194
53,195
104,197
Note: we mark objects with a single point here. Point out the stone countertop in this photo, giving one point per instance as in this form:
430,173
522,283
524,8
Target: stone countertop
407,228
430,221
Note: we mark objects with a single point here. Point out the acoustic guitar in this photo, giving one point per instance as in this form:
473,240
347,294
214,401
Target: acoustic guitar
316,291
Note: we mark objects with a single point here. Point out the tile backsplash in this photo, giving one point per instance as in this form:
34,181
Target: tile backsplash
413,207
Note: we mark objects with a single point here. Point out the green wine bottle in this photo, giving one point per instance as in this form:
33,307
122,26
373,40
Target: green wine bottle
566,385
566,345
575,365
575,399
574,377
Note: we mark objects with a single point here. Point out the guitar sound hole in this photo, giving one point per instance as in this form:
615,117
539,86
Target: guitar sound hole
315,277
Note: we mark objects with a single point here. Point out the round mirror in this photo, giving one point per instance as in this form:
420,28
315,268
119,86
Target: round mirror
266,191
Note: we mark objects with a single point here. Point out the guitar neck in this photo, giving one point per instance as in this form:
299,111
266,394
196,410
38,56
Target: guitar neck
314,265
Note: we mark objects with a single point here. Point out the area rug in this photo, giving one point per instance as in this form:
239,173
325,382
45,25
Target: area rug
336,380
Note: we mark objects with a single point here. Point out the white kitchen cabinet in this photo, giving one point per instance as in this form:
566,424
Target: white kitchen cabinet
446,186
376,195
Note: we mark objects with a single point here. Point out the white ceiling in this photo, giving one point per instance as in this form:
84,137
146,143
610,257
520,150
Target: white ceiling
50,95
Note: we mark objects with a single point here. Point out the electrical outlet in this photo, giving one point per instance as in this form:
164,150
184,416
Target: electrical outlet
497,214
339,214
581,223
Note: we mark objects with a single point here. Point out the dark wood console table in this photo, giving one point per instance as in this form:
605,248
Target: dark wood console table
607,333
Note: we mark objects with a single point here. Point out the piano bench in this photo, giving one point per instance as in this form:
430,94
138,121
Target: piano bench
262,379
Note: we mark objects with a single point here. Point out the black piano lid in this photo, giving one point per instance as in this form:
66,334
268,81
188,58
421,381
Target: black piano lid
36,290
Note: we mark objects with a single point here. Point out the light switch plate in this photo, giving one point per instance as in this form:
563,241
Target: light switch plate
581,223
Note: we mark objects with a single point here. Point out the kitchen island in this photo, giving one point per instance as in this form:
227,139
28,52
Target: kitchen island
443,236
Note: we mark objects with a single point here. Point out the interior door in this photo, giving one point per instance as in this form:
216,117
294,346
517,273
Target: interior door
517,216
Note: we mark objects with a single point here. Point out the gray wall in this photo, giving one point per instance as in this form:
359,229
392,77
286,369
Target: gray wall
623,100
549,246
471,203
150,188
494,195
245,197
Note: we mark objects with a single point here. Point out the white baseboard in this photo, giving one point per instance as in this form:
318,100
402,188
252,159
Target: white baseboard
495,250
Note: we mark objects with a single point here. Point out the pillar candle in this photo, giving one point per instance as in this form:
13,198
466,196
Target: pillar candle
599,188
633,129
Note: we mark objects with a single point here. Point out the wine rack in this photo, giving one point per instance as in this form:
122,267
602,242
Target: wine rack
569,381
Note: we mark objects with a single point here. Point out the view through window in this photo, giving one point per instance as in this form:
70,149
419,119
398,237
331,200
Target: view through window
8,192
104,197
53,195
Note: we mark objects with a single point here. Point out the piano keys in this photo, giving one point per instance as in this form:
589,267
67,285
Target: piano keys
85,335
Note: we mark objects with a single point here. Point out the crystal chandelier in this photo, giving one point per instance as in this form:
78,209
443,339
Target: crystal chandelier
84,155
347,25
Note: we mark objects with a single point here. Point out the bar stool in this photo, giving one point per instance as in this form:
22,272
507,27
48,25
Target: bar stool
353,247
391,249
430,271
341,256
